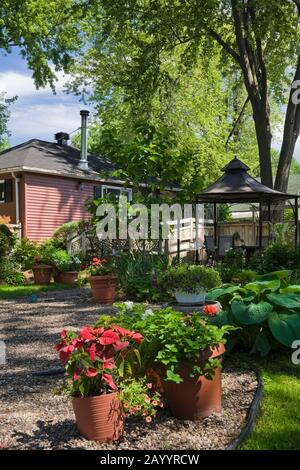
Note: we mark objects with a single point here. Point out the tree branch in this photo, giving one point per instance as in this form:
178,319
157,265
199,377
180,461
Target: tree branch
225,45
236,122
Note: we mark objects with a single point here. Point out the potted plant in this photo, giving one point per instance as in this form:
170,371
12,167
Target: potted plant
42,271
66,267
185,356
95,361
102,280
189,283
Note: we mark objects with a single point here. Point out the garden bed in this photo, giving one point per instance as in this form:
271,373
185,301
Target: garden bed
32,418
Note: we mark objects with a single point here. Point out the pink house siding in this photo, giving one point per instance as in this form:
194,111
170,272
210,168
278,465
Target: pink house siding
51,201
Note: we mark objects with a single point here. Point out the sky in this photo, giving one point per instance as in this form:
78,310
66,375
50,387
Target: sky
36,113
40,113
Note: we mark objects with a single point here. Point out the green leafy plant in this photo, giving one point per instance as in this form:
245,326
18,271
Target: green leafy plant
7,240
267,311
64,262
24,253
172,338
138,273
61,234
139,398
189,278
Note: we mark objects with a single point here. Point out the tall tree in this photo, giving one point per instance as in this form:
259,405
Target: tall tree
47,33
261,37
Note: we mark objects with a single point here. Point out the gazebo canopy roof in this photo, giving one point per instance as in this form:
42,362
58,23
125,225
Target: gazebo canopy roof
236,185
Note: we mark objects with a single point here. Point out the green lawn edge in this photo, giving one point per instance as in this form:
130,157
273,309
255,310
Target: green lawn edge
11,292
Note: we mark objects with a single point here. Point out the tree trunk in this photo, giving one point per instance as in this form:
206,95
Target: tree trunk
264,139
290,136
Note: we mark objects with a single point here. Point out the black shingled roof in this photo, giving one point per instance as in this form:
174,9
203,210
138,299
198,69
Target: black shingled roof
49,157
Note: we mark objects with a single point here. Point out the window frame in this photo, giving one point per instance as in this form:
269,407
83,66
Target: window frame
120,188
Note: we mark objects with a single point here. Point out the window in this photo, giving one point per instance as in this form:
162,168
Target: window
6,191
116,191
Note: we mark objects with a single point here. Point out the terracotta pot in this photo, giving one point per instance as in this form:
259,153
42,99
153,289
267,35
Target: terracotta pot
69,277
197,397
103,288
42,274
99,418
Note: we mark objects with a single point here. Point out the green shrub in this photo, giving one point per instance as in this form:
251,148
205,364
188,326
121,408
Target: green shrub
137,274
7,240
189,278
24,253
64,262
14,278
60,236
266,310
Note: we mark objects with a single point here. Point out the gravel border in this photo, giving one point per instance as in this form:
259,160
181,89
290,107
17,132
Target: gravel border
33,418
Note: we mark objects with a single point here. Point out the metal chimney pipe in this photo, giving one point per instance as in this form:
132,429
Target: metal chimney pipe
83,162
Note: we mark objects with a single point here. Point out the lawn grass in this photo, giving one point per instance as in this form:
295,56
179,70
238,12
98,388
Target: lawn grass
12,292
278,425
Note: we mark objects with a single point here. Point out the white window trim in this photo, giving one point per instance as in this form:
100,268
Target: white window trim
121,188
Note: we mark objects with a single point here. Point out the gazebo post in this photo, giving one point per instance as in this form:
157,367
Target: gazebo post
260,225
215,225
269,217
296,221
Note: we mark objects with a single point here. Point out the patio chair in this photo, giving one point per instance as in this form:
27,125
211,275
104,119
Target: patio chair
225,244
210,249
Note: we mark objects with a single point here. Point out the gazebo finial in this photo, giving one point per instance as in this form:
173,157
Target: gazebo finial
235,165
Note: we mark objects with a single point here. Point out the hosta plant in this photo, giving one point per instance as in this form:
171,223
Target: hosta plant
98,359
266,310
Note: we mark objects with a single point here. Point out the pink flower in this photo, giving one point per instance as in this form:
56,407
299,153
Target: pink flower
91,372
147,399
76,375
155,403
86,333
63,334
65,353
150,385
109,380
148,419
108,363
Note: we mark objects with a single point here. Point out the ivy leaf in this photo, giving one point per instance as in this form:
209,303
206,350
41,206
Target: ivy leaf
173,377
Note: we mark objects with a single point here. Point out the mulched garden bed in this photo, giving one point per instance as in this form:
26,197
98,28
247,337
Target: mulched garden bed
33,418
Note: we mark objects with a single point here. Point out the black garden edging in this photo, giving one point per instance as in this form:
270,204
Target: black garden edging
49,372
252,413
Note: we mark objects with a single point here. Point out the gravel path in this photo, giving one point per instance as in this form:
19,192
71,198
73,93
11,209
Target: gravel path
33,418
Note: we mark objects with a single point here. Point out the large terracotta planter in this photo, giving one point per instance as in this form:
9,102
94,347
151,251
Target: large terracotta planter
198,397
99,418
69,277
103,288
42,274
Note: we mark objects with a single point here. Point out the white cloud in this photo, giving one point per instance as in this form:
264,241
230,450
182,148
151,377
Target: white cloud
21,84
43,120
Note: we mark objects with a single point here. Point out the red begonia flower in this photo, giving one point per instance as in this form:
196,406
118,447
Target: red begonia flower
109,380
65,353
137,337
109,337
118,345
76,375
91,372
108,363
86,333
122,331
211,310
63,334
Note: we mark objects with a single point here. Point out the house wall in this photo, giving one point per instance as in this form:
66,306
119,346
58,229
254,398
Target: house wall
50,201
8,208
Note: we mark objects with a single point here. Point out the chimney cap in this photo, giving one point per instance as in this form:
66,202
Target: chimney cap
84,112
62,136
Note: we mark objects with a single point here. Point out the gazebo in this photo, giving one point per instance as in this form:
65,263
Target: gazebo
237,186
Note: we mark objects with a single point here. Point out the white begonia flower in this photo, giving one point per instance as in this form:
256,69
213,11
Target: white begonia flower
148,312
128,305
